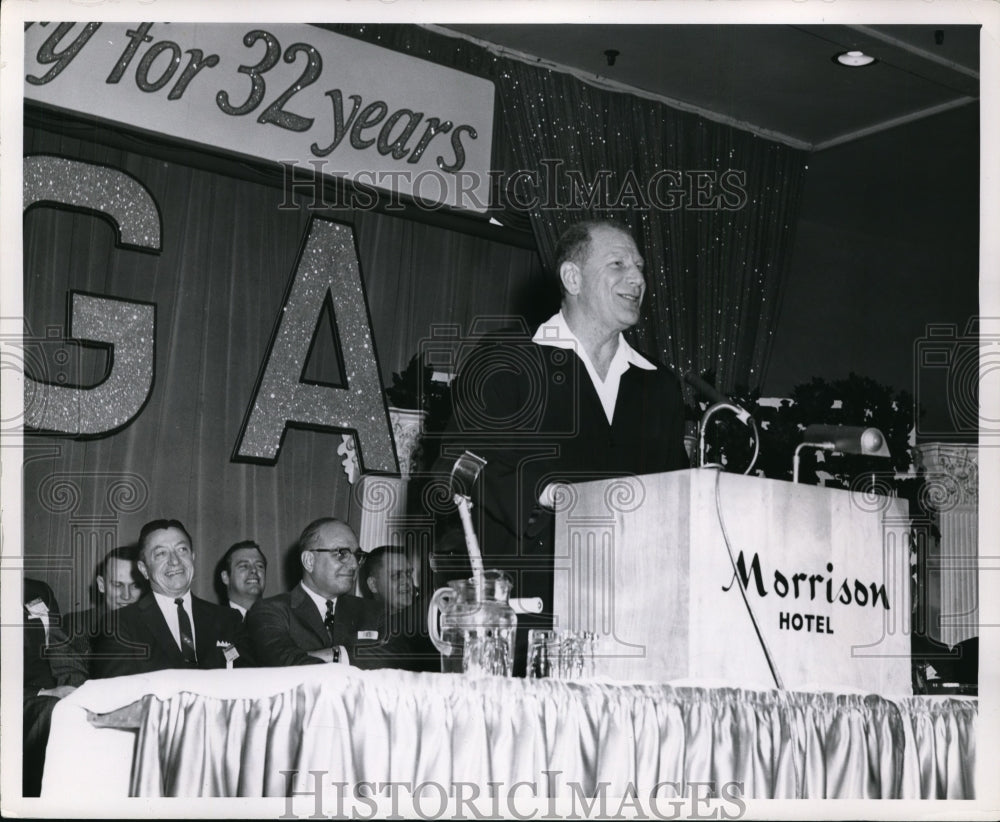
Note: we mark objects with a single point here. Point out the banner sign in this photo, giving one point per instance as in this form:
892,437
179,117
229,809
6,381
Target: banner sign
292,94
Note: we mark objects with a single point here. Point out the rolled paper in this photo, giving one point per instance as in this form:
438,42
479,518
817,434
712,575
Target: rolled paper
526,605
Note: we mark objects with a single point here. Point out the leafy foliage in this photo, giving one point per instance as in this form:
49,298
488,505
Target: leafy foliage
856,400
415,388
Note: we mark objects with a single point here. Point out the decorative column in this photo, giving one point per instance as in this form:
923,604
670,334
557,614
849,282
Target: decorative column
378,503
951,495
407,430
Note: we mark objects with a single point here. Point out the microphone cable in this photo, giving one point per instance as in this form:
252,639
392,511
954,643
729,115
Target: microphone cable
753,619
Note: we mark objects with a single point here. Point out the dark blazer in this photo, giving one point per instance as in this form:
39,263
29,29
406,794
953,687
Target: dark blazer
144,643
285,627
402,640
538,420
47,667
85,630
532,412
37,673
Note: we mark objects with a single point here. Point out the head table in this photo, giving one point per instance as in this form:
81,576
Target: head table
262,732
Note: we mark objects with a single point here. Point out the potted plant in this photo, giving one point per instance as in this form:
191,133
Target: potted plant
418,404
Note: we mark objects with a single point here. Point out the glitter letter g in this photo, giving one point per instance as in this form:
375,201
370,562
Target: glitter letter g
127,327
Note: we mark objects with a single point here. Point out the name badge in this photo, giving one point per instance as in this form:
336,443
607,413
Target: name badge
231,655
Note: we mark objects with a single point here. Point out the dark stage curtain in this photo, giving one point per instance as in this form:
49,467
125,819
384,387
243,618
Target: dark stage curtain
715,275
227,254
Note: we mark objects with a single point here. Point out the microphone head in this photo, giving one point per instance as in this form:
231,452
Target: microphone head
848,439
872,441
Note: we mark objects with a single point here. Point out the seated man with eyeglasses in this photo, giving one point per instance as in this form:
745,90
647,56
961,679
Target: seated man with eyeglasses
320,618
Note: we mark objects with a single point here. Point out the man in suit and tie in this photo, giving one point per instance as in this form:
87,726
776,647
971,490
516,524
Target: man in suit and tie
170,627
319,618
242,574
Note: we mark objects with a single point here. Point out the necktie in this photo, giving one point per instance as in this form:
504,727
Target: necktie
328,621
187,638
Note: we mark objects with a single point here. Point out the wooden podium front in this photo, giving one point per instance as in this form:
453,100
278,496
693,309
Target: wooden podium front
643,562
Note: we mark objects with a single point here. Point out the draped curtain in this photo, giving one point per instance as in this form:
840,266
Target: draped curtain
715,276
224,733
775,745
228,252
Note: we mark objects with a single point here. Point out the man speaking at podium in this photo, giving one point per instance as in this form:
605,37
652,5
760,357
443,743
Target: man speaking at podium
575,402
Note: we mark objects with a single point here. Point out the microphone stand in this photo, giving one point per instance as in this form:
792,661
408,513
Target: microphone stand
741,414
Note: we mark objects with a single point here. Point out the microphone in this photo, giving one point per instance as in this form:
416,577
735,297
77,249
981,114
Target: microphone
715,395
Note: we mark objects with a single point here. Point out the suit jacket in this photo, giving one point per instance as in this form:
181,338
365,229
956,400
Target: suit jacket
46,666
284,628
143,642
538,420
85,629
402,641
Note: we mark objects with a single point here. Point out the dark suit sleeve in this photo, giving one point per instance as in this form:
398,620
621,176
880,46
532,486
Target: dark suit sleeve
499,403
269,625
402,640
672,424
68,659
37,672
234,631
353,614
122,652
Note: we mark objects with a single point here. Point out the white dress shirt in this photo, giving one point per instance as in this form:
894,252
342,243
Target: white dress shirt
169,609
556,333
319,600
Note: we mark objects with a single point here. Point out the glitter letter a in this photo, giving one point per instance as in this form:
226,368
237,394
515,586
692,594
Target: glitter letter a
328,267
127,327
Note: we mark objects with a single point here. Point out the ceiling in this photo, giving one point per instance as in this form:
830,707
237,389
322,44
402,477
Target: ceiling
780,81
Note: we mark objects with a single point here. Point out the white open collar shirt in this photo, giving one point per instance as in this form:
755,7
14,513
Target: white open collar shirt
556,333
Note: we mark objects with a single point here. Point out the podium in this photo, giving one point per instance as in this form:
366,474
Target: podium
643,562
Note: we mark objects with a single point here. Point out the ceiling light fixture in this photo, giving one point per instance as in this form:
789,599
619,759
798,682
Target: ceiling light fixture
854,59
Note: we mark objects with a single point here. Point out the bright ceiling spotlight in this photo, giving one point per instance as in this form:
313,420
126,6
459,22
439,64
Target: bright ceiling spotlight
854,59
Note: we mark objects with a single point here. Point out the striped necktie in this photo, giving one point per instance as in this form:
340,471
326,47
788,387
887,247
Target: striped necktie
187,638
328,620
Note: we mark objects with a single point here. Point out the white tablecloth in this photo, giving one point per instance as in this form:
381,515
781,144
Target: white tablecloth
238,733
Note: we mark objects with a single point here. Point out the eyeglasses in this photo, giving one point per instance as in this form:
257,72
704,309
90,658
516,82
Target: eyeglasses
343,554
